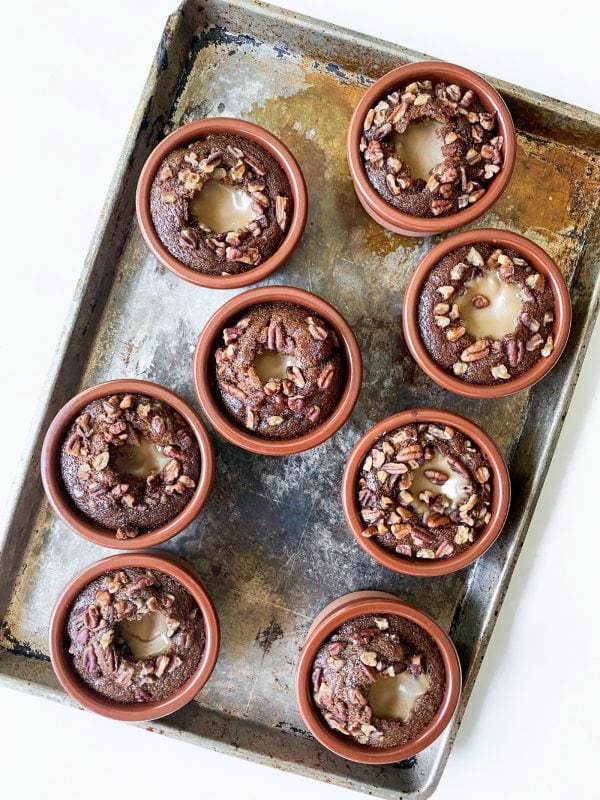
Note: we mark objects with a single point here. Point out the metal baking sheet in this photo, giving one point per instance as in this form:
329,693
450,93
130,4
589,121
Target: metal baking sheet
271,543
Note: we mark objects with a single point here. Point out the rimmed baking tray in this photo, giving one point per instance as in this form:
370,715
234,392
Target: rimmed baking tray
271,543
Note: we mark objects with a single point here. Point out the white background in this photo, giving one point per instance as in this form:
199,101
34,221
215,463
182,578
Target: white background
71,75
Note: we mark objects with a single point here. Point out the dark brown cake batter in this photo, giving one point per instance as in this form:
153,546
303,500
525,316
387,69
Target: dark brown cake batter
425,491
367,650
279,408
101,654
470,146
102,445
485,360
236,162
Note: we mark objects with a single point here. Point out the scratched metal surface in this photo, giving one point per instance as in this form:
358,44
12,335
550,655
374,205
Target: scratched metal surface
271,543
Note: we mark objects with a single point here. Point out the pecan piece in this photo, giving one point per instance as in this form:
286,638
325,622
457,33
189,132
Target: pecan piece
251,419
103,598
548,347
500,372
529,321
295,404
158,425
454,334
364,636
436,476
110,659
515,350
463,535
325,378
234,391
444,550
187,238
392,185
185,640
275,335
82,636
161,664
440,207
410,453
368,120
100,461
476,351
457,272
297,376
281,211
437,520
91,618
316,331
475,258
480,301
356,696
394,468
127,533
90,662
368,658
316,678
536,281
314,413
73,446
335,648
171,471
456,465
254,165
445,291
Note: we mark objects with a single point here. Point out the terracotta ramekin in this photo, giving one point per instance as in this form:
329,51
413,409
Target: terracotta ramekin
59,497
381,211
418,566
191,133
59,647
539,260
203,373
325,624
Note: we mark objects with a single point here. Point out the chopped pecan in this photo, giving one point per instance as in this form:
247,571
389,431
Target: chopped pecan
281,211
326,377
476,351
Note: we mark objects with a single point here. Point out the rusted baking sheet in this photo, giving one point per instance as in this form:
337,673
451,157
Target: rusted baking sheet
271,544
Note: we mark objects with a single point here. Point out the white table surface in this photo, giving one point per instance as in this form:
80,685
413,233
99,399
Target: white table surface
71,75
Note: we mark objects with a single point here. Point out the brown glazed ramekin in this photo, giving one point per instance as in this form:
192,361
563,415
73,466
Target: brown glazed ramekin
59,646
381,211
59,497
191,133
203,377
539,260
325,624
419,566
